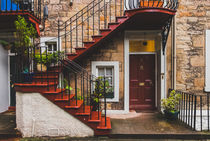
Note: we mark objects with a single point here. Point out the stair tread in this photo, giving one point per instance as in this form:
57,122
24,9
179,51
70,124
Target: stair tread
88,42
85,112
45,77
53,92
121,16
94,36
65,97
80,48
37,84
113,23
73,104
71,54
102,123
106,29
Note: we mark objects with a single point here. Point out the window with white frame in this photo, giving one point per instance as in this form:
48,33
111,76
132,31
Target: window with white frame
50,42
51,46
109,69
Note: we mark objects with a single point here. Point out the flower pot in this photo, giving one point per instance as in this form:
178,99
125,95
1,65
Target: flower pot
151,4
171,115
41,67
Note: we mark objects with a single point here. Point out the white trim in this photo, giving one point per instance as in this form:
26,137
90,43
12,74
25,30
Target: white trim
43,40
9,79
207,62
115,64
129,35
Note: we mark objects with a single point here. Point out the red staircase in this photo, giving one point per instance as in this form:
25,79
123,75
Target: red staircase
66,101
83,32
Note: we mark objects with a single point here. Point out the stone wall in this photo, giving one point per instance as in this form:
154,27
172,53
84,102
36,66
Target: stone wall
36,116
192,20
112,50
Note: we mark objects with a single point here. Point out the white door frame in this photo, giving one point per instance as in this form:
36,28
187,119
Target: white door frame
135,35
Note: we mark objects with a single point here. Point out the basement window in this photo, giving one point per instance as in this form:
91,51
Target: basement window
51,46
51,43
109,69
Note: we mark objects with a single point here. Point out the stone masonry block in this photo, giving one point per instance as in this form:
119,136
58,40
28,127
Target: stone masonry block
197,61
198,41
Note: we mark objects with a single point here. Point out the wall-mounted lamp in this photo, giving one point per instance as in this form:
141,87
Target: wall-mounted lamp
45,16
71,3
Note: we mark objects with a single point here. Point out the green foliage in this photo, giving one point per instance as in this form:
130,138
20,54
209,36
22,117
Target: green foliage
24,33
99,88
49,59
4,43
66,86
171,103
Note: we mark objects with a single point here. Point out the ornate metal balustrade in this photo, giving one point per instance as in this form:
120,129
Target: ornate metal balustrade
21,6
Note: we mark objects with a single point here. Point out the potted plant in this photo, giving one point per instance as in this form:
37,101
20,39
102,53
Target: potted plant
41,62
151,3
5,44
99,92
170,105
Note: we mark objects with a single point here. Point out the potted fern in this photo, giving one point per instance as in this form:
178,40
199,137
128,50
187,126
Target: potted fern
170,105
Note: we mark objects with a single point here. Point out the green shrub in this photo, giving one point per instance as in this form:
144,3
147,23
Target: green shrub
170,104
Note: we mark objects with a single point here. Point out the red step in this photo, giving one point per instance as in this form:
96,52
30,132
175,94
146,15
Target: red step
121,19
95,117
85,111
102,123
97,37
73,104
65,97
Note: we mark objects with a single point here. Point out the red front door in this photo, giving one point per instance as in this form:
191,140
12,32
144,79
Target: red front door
142,82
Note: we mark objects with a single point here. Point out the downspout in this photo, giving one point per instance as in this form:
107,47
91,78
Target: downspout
173,55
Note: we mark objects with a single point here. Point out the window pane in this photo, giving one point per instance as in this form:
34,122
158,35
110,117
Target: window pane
109,71
110,81
100,71
49,47
55,47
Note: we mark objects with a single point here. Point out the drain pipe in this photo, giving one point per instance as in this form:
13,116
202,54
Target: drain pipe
173,55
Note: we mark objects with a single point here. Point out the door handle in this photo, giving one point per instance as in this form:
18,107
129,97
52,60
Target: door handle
141,84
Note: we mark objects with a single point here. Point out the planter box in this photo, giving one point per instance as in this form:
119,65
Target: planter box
151,4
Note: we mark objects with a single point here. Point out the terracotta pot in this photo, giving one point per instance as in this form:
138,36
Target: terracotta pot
7,47
151,4
41,67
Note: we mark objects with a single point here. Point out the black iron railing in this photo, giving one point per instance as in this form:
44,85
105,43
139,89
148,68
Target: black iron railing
21,6
194,110
37,65
96,16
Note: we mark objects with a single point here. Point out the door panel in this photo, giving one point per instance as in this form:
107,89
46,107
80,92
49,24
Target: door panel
142,82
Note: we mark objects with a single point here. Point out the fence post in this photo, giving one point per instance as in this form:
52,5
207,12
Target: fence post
195,113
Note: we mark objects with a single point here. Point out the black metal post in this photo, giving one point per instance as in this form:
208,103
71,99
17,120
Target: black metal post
195,112
76,87
192,112
47,70
201,117
105,98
